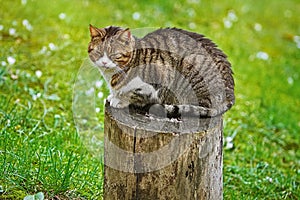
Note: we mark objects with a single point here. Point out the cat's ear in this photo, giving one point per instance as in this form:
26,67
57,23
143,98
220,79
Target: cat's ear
96,31
125,35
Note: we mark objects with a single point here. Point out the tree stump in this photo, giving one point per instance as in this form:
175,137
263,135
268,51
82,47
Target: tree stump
153,158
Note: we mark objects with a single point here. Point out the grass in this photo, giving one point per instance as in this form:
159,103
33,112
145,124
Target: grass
40,146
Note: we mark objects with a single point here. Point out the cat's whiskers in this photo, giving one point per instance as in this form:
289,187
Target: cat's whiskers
105,62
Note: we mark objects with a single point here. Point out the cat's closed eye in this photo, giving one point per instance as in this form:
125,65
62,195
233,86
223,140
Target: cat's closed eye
117,56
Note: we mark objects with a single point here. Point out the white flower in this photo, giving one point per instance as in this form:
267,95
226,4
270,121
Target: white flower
229,145
232,16
262,55
1,27
257,27
14,76
97,110
12,31
229,19
27,25
269,179
229,142
62,16
23,2
99,83
136,15
3,63
52,46
34,97
100,95
38,73
192,25
297,41
8,123
25,22
11,60
227,23
290,80
229,139
43,50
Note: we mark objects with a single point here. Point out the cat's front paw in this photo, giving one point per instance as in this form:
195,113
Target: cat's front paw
142,96
117,103
109,97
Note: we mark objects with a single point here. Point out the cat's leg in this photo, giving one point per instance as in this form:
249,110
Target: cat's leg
138,92
143,95
118,103
138,97
109,98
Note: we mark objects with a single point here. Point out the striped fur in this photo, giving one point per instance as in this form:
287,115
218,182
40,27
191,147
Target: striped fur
182,71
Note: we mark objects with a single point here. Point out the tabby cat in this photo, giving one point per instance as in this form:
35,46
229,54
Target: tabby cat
180,72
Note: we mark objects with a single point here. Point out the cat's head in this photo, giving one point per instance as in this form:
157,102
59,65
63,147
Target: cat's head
111,47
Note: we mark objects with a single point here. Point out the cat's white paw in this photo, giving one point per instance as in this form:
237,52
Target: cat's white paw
109,97
145,92
117,103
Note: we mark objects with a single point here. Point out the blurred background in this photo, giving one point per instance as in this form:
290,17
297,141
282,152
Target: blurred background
44,46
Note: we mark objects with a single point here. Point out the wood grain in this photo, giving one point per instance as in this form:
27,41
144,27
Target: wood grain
151,158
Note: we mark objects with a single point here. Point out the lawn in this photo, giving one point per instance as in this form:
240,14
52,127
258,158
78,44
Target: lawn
43,62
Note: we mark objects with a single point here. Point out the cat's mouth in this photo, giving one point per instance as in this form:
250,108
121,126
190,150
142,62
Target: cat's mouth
106,65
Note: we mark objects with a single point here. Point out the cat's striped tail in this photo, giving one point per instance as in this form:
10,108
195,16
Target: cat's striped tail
186,110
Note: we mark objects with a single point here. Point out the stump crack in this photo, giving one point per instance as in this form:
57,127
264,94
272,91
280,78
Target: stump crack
135,165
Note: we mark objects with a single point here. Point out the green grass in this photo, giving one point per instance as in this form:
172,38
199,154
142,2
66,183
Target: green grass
40,147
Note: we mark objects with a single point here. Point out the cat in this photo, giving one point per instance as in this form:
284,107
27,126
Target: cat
170,72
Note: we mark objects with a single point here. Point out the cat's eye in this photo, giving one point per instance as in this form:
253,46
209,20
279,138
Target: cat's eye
118,56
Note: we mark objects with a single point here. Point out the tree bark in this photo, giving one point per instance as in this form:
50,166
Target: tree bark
152,158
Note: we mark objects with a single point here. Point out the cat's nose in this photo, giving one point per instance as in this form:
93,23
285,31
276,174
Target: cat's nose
104,63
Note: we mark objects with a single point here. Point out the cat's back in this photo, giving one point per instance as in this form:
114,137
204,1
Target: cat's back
168,33
179,41
165,35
